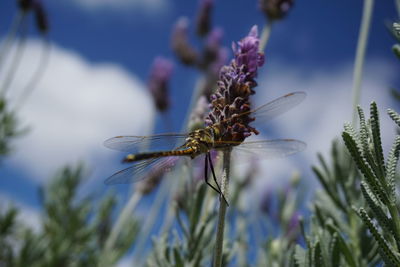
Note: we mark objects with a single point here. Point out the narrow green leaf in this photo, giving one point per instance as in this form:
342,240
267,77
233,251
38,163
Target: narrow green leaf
376,135
327,187
394,115
317,259
363,167
178,259
346,251
385,250
334,250
366,151
396,50
391,167
363,130
378,210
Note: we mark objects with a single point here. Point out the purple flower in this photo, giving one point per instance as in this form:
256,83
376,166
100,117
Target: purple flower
42,22
213,52
25,5
293,225
180,44
160,75
235,85
203,22
276,9
40,15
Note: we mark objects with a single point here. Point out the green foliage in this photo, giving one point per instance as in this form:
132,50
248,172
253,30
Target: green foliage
378,185
337,236
195,247
285,219
73,230
8,128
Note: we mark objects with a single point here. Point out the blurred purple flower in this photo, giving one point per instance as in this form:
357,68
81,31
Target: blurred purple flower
235,85
276,9
212,49
293,226
266,202
203,22
40,14
42,22
25,5
160,75
180,44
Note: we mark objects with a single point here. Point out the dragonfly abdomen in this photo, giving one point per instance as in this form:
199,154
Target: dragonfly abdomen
143,156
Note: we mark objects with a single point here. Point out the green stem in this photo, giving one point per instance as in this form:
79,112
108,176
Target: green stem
360,55
122,219
265,34
222,209
396,219
15,60
5,46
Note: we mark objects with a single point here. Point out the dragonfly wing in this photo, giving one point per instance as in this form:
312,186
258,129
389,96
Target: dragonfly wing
277,107
135,144
267,149
141,170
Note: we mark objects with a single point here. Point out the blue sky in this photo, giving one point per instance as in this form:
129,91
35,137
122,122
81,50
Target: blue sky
102,51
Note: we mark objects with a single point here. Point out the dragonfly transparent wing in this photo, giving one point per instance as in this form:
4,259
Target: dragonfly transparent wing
141,170
266,149
274,108
277,107
135,144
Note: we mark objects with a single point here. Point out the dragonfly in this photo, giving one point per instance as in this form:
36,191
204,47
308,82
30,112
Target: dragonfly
199,142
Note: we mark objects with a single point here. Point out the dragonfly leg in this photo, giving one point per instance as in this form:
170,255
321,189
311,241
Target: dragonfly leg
206,175
215,178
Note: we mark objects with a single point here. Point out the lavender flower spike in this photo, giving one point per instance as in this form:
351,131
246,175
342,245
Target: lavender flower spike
235,85
180,43
158,82
276,9
203,24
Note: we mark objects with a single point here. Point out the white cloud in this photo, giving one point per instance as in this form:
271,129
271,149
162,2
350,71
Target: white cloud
148,6
320,118
76,106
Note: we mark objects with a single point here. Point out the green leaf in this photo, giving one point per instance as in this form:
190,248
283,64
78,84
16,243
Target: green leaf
334,250
394,115
385,250
317,259
178,258
300,257
363,166
376,135
378,210
366,151
396,50
393,158
346,251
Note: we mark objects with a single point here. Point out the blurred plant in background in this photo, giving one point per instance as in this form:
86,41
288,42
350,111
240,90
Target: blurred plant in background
353,220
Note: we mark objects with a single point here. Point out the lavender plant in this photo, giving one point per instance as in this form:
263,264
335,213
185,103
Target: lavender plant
72,230
354,218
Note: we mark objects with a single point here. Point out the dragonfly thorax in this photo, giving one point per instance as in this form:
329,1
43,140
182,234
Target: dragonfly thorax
201,141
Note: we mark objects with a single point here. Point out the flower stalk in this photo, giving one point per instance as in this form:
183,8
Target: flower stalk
360,55
266,32
235,85
222,208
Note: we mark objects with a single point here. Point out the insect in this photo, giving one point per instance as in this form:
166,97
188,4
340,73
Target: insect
199,142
